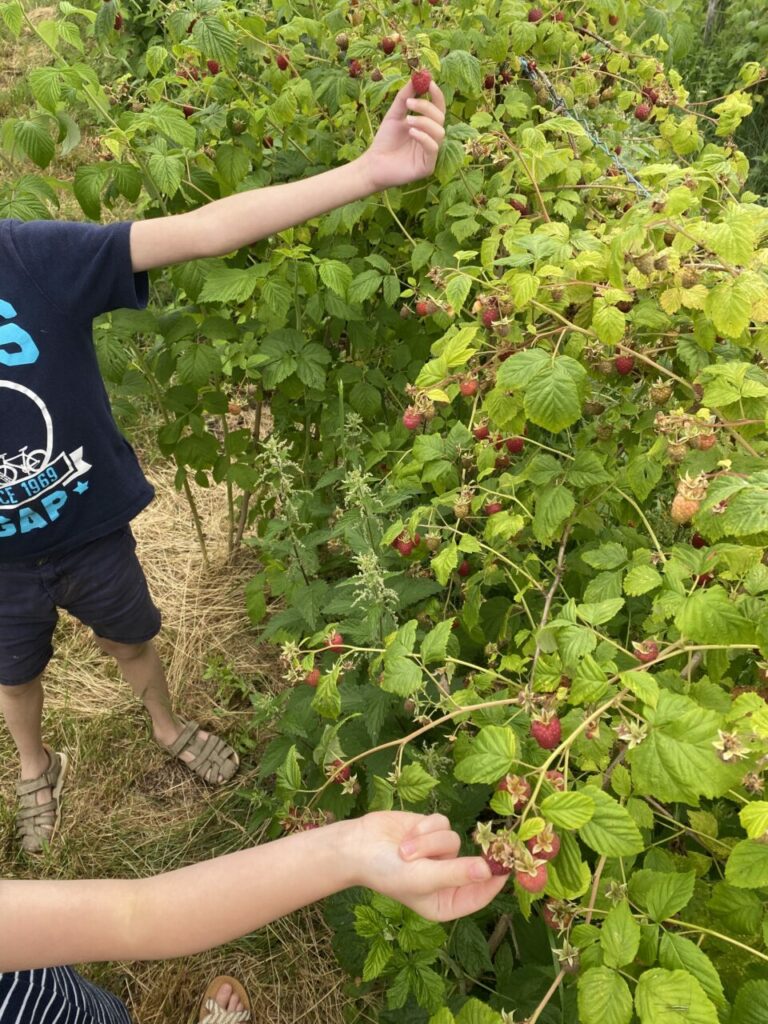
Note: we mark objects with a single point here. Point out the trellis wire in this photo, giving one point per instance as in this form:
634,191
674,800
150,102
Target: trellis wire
559,106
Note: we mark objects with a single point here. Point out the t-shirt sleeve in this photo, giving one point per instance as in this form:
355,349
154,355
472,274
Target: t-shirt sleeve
84,270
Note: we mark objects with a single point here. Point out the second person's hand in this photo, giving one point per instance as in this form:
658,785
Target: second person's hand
414,858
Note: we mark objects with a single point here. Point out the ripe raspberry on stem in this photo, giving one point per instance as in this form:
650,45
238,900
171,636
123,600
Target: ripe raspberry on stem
646,651
282,61
547,730
312,678
533,880
624,365
420,82
335,641
412,418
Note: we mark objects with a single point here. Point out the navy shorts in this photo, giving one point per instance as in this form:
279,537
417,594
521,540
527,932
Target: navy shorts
101,583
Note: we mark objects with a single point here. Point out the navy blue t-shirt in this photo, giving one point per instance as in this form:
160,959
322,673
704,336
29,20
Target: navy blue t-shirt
67,475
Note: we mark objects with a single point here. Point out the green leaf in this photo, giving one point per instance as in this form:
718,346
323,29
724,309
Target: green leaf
607,556
553,506
214,39
379,955
415,784
604,997
672,997
609,323
754,819
678,953
225,284
444,562
611,831
434,647
45,84
677,760
166,171
641,579
401,673
708,616
492,755
461,69
619,936
643,685
34,137
89,181
553,398
747,865
601,611
568,810
364,286
751,1005
198,364
662,893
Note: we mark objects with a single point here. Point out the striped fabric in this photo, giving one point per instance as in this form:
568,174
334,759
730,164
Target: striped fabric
56,995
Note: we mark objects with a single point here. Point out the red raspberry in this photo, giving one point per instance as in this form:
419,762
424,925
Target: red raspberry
558,16
213,67
425,307
187,111
412,418
490,315
468,386
547,732
355,69
624,365
533,881
342,771
420,82
464,568
496,867
698,541
388,44
118,22
481,431
515,445
546,845
642,111
282,61
535,14
613,19
335,642
647,651
489,82
312,678
491,508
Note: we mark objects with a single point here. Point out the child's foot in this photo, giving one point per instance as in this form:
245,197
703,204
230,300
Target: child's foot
39,794
225,1002
208,756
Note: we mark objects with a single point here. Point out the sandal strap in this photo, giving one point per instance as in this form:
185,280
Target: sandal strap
188,732
218,1015
32,810
46,779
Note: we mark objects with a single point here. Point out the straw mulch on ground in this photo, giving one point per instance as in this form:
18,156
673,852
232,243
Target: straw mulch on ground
129,811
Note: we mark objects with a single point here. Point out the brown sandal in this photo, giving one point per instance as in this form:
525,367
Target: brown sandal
212,1013
209,756
37,824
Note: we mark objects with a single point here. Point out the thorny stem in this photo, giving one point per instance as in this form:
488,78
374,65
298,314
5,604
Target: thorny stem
559,569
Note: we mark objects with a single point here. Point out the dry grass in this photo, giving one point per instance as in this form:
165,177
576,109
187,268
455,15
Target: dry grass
129,811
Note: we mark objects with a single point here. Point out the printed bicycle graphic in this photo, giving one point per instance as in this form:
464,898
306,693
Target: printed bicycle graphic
21,466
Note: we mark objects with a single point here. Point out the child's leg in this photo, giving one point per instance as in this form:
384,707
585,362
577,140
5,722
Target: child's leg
22,709
104,586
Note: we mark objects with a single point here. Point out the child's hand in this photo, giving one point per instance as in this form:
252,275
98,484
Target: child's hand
414,859
407,143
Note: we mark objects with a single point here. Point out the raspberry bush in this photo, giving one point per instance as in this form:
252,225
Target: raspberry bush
513,517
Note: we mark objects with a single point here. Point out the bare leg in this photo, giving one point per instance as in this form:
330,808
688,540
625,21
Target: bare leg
22,708
142,669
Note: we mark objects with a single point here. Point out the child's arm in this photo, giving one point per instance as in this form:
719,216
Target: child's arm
410,857
405,149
